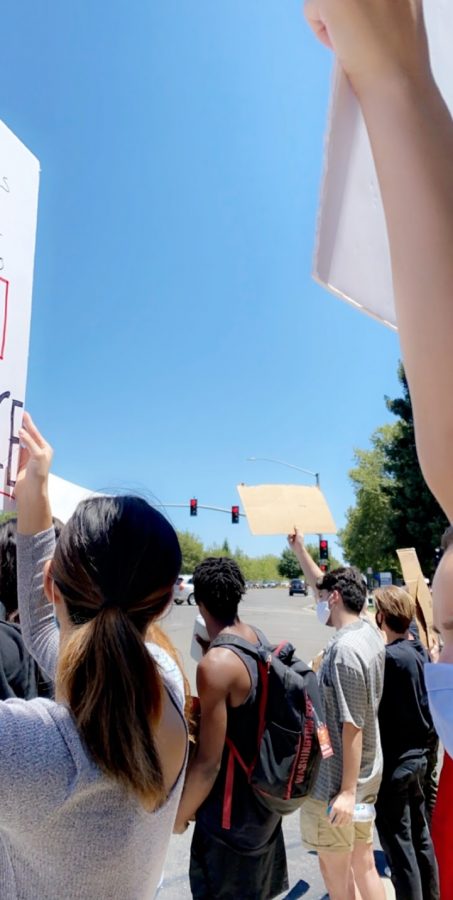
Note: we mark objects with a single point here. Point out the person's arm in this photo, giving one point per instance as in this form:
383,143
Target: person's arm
352,697
383,49
214,676
311,571
35,545
37,620
342,807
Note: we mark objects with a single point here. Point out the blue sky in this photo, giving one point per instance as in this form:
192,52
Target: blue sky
175,328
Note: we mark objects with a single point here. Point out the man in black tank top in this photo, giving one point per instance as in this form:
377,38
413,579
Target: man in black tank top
237,848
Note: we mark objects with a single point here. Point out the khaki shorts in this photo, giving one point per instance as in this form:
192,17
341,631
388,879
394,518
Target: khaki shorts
318,834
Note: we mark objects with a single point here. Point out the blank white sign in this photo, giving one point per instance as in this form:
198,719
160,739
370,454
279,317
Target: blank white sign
352,257
19,183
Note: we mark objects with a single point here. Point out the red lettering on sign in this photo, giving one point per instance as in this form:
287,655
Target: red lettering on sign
4,290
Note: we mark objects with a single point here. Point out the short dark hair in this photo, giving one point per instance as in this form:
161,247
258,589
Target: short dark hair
349,582
219,585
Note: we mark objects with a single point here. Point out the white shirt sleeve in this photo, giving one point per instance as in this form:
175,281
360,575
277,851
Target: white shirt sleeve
170,670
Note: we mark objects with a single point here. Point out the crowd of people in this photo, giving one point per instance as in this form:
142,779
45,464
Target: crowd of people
94,729
114,741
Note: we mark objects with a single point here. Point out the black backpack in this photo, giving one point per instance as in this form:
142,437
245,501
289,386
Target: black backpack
290,722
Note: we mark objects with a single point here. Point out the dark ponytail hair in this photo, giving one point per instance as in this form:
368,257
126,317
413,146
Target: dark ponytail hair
115,564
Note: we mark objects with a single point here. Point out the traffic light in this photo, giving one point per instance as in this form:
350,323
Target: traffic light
323,567
235,514
323,549
193,507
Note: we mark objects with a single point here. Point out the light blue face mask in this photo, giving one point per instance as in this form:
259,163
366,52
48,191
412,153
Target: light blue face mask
439,684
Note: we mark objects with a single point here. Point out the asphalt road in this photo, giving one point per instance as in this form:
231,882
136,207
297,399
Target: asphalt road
281,617
271,609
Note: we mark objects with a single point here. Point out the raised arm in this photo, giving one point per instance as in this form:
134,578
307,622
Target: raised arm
35,546
383,49
311,571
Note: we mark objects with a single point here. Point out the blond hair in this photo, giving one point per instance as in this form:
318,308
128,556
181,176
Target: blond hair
396,606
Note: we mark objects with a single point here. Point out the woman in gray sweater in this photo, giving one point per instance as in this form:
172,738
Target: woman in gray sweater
90,783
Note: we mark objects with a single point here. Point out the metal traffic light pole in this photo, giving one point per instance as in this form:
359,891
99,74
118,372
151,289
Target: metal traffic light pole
198,506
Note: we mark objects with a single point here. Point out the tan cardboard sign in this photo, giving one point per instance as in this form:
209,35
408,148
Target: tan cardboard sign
277,508
419,591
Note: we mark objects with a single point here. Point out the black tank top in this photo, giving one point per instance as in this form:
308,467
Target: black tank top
252,826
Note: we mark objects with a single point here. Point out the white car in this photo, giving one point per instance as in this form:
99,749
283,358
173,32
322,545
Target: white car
183,590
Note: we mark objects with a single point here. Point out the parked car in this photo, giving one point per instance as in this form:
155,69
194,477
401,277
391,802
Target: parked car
183,590
297,586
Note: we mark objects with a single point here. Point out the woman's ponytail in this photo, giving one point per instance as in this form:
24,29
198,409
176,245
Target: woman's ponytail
114,689
115,568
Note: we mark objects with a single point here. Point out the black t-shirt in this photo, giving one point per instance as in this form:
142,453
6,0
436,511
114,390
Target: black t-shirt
404,718
17,668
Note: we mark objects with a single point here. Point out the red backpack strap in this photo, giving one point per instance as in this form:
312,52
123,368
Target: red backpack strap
235,756
263,671
228,793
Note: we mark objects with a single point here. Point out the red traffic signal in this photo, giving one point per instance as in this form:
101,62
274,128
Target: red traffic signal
323,549
323,567
235,514
193,507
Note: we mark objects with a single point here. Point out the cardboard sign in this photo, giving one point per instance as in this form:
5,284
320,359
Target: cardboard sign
277,508
419,591
19,183
352,257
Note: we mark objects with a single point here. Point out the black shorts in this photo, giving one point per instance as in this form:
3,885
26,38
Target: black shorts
221,872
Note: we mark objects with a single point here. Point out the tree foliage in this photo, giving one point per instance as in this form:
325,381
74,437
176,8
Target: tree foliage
416,518
365,538
254,568
394,507
288,566
192,551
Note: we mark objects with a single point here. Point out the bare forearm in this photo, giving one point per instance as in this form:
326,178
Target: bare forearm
199,783
352,757
411,133
311,571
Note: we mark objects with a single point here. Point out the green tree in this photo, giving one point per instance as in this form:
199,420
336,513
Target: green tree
218,549
192,551
416,518
4,516
366,538
288,565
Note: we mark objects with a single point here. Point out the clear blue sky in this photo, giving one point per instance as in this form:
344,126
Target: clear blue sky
175,327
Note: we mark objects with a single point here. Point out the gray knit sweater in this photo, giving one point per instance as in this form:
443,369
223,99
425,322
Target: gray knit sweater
67,832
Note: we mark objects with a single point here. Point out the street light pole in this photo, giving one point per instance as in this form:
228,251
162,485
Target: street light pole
281,462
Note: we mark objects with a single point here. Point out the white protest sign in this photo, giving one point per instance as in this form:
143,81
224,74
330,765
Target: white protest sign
19,183
352,257
64,496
